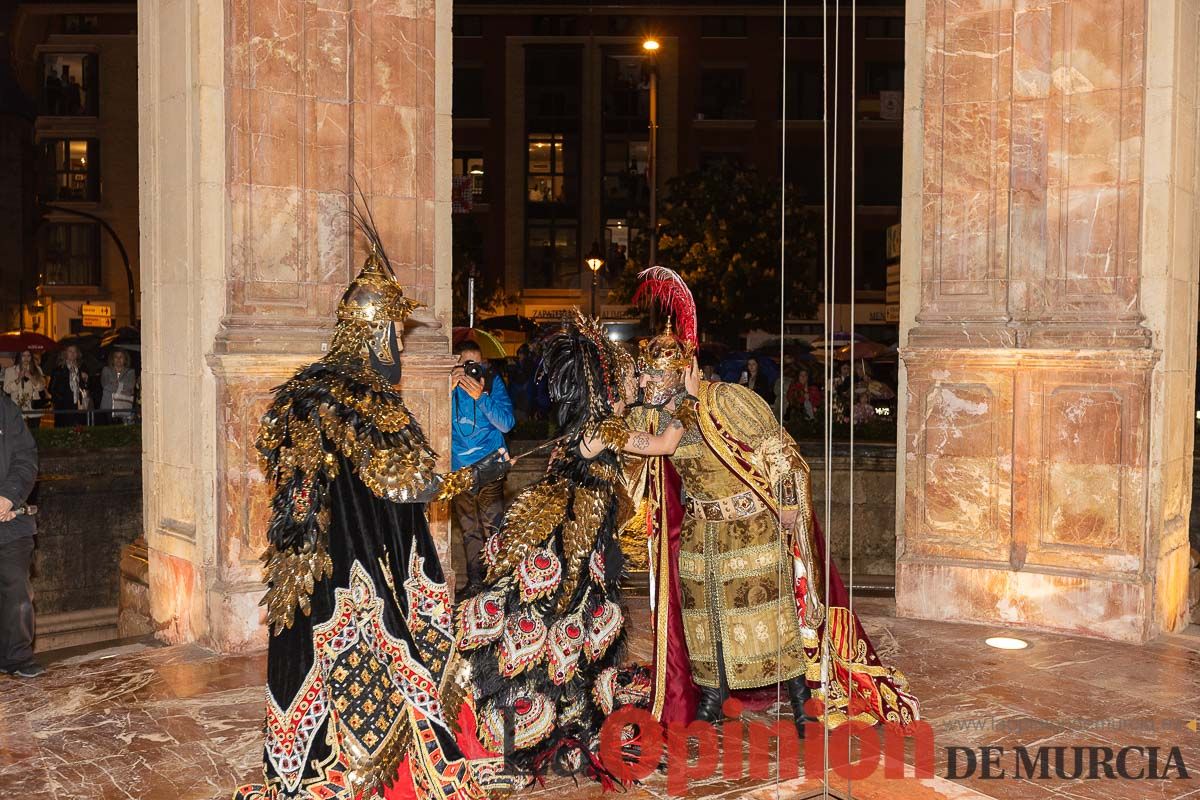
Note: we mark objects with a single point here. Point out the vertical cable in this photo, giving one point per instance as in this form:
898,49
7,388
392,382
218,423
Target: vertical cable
782,387
350,108
831,298
853,319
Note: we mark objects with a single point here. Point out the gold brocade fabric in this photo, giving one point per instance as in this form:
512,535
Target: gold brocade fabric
733,565
736,579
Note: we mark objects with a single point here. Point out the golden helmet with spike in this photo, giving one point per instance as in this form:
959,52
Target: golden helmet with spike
663,359
371,306
375,295
665,352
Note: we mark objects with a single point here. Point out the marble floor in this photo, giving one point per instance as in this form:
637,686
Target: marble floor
136,720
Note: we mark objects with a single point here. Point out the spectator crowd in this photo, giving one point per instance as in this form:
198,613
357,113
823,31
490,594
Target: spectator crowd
71,392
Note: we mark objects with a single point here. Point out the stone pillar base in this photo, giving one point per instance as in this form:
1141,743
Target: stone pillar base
75,628
1026,493
1030,600
133,609
1194,588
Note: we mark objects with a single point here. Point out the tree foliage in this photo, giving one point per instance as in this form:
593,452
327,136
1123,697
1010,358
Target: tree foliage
719,228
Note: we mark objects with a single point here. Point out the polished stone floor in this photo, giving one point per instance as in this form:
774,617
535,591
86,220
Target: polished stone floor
141,721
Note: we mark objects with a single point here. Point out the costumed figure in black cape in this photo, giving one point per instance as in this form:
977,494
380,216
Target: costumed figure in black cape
361,698
545,634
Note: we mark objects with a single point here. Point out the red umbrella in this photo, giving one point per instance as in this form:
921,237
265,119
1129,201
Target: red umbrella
19,341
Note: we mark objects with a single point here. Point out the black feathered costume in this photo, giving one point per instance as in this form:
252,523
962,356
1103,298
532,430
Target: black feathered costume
362,696
545,635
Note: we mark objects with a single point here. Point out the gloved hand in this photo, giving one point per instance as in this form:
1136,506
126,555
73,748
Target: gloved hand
492,468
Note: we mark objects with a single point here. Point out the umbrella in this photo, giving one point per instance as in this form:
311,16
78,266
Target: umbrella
862,351
791,347
125,338
511,322
489,345
730,369
84,341
827,348
797,351
19,341
837,340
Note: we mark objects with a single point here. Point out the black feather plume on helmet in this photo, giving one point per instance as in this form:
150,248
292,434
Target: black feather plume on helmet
581,378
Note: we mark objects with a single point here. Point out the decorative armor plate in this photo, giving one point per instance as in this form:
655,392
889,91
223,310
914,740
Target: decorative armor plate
605,626
480,620
540,574
567,637
523,645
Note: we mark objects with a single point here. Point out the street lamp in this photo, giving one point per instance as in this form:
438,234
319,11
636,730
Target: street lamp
650,47
594,260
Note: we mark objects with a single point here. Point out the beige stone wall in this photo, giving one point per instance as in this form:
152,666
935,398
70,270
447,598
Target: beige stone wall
1048,305
253,116
1171,258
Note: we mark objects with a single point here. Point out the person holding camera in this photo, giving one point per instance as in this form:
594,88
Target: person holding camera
481,413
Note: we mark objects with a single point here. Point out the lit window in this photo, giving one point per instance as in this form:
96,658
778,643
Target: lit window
471,164
71,169
547,168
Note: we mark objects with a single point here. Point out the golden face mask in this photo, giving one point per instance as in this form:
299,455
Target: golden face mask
662,361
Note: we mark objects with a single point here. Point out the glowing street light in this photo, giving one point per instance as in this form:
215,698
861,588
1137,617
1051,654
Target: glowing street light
594,260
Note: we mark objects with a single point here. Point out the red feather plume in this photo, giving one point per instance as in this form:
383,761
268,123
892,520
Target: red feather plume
665,287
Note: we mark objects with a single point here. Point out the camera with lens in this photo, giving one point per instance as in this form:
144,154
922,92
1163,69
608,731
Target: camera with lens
473,369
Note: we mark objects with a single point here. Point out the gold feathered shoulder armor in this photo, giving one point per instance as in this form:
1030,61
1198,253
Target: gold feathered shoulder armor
330,417
730,412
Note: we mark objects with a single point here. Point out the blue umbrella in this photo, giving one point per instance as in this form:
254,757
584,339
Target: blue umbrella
731,367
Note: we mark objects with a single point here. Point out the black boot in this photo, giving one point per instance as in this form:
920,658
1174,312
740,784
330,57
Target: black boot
711,700
799,694
474,582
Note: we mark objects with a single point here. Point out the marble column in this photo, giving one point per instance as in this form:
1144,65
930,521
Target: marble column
252,117
1049,313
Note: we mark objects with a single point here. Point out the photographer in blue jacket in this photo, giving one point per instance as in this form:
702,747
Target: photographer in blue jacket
481,413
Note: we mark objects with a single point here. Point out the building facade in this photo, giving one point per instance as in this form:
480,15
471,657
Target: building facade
551,133
77,63
1082,504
